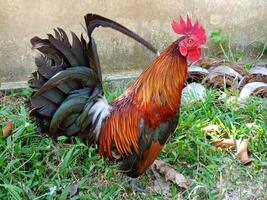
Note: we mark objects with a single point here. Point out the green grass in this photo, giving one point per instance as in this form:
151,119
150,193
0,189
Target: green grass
35,167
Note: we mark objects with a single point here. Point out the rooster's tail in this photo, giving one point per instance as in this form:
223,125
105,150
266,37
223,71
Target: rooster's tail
68,97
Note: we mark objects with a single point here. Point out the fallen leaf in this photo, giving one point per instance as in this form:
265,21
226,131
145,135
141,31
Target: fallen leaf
242,151
170,174
225,143
74,190
240,145
7,130
160,185
11,100
211,128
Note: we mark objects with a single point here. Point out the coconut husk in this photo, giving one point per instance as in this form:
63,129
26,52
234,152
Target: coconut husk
236,67
207,62
260,92
258,73
222,75
259,69
210,63
254,88
196,74
252,78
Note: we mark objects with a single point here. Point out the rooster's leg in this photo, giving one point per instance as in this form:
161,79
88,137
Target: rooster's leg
135,186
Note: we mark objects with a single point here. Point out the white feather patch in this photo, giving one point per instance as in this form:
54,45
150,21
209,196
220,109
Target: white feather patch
102,108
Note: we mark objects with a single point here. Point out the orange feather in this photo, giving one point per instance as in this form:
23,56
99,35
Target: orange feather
149,156
155,97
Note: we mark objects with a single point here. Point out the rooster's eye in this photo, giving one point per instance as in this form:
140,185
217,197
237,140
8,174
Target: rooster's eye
190,41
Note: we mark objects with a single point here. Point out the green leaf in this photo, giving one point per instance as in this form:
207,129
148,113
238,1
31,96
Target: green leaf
216,36
66,161
64,194
239,55
15,191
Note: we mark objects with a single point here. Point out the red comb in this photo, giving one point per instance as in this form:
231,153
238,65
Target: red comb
188,29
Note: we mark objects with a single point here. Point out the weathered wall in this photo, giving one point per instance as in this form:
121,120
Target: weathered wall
245,20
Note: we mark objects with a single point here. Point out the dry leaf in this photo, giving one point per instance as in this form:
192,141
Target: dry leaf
242,151
11,100
74,190
160,185
7,130
211,128
225,143
170,174
240,145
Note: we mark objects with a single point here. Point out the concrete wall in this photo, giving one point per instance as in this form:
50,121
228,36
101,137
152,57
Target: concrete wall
245,20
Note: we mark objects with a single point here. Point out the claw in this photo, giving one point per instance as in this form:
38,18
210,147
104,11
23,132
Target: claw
136,187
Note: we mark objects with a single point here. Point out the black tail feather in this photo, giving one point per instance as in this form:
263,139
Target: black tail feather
68,79
92,21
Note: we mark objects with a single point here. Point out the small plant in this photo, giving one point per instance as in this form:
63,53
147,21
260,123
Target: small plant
217,38
231,54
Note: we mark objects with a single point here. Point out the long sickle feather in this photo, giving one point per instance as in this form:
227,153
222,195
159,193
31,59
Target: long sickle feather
92,21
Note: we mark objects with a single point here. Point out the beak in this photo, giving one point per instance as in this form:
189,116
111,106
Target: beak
203,46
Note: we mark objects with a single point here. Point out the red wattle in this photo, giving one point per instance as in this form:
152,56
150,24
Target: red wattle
194,55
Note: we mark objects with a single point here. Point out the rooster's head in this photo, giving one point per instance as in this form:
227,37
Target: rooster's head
194,38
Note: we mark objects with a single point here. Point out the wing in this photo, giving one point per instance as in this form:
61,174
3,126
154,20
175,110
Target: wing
151,142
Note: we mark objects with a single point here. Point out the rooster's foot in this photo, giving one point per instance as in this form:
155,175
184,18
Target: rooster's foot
136,187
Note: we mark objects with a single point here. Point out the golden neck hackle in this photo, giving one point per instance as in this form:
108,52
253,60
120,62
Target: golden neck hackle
163,80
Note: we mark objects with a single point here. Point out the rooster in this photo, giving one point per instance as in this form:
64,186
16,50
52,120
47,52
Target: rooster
69,99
